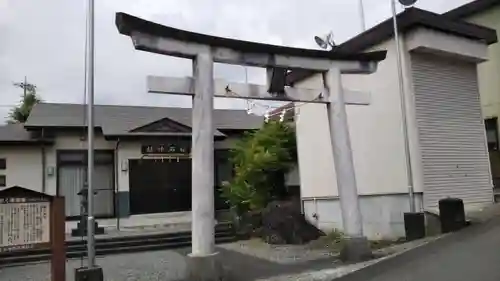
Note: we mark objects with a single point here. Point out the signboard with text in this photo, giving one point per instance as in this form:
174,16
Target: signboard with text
31,219
24,222
165,148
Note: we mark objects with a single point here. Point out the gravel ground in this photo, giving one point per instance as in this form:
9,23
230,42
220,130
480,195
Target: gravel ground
148,266
282,254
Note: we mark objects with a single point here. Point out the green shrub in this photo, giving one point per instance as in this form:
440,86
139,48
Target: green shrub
257,158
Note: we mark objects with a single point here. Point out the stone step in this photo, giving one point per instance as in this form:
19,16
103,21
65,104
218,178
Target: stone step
116,245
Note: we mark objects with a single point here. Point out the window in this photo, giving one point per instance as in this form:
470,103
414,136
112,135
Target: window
491,125
79,157
3,181
3,163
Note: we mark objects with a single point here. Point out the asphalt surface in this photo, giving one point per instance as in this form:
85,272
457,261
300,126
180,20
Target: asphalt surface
470,255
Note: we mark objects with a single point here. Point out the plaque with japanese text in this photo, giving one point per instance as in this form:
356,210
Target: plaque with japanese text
166,149
24,223
31,219
24,219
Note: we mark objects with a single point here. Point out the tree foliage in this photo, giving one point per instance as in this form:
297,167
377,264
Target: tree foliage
257,158
21,112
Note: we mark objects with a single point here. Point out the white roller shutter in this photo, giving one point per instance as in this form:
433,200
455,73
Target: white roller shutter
451,131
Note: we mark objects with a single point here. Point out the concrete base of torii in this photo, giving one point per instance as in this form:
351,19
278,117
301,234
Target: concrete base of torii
356,249
205,268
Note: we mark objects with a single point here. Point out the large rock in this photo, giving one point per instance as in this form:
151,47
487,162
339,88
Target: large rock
283,223
248,224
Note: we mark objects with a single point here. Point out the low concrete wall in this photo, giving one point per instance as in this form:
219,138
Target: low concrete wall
382,214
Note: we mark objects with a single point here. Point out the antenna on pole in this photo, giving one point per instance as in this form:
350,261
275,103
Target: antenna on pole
92,272
362,15
326,41
397,39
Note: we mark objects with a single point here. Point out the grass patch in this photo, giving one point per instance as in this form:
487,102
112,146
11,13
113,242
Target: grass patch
380,244
332,240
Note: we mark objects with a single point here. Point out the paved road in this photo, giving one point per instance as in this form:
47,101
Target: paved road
471,255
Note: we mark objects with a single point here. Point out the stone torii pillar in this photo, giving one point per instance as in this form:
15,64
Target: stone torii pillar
204,50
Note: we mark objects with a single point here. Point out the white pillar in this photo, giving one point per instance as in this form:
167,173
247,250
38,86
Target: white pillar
356,246
342,154
203,224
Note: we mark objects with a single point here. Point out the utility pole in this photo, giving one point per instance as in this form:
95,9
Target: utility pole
402,96
414,221
90,139
25,86
362,16
92,272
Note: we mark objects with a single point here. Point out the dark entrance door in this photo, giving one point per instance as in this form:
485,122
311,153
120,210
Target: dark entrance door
158,186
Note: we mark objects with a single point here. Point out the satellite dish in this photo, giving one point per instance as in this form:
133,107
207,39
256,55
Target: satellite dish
321,43
329,39
407,2
325,42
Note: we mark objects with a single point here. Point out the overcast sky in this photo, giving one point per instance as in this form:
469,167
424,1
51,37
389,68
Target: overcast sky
44,40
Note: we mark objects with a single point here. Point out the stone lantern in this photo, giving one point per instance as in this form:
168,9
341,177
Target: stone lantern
81,228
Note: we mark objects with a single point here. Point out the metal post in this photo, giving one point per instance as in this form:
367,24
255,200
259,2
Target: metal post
409,172
90,138
203,240
362,15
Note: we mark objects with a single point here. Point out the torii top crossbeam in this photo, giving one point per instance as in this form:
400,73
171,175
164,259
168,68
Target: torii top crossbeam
156,38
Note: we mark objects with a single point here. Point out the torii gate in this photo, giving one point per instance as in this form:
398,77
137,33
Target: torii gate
204,51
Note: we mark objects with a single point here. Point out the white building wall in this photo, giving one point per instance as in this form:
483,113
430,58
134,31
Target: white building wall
375,131
126,151
377,141
24,166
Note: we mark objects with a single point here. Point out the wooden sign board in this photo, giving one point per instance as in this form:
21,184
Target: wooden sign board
30,219
24,223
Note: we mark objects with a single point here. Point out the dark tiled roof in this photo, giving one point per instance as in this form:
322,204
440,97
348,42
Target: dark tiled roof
127,23
407,20
15,134
471,8
120,120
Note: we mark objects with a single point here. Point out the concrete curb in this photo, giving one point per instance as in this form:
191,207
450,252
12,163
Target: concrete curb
345,269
